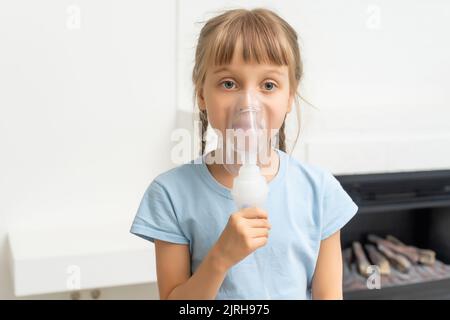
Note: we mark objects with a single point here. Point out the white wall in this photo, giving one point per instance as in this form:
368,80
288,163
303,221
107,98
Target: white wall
79,139
378,73
86,111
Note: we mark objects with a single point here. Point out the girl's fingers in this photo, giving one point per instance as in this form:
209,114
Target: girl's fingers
259,242
253,213
259,232
259,223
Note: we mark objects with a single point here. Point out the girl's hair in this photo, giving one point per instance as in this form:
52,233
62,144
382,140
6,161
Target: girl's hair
265,38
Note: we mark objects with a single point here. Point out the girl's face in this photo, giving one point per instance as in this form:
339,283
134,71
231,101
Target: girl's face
223,83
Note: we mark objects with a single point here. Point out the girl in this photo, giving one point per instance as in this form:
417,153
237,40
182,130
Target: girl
202,243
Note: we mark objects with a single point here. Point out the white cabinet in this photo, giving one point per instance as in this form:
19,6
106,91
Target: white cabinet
72,258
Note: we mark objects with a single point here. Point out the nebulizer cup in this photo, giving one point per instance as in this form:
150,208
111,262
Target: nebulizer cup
247,145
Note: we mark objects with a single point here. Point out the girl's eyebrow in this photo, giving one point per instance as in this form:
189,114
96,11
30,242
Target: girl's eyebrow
221,69
275,72
269,70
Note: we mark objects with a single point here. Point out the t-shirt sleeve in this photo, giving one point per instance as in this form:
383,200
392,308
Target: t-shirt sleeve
156,217
337,207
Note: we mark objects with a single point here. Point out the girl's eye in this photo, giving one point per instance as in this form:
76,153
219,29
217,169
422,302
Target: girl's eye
269,86
228,84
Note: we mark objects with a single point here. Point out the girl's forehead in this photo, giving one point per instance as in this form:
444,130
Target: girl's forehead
242,67
239,63
238,58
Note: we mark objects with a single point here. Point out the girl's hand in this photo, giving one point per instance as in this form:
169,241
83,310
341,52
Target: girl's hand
246,231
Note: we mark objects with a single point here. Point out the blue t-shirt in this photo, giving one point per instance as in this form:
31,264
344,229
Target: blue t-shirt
306,204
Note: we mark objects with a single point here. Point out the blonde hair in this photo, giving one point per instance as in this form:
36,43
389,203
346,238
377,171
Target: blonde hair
266,38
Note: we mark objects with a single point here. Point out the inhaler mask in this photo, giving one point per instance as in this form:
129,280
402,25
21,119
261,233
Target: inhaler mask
247,138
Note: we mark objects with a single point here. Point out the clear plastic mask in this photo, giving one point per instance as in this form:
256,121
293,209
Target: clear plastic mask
247,137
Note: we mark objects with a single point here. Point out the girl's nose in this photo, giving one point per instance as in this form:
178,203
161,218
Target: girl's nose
247,99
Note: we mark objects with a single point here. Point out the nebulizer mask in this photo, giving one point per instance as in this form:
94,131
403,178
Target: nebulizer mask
247,148
247,145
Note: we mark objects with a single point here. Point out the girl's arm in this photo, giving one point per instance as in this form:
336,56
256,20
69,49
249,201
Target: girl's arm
246,231
174,275
327,279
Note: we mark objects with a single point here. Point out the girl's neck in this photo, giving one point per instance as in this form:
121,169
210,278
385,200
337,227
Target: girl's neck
225,178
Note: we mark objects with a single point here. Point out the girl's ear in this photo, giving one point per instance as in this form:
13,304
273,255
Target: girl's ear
201,100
